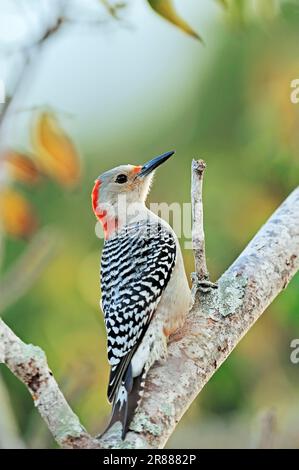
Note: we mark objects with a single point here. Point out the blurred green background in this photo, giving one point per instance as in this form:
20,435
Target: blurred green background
133,89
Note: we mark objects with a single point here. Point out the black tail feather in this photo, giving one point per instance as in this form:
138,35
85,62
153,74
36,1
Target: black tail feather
126,401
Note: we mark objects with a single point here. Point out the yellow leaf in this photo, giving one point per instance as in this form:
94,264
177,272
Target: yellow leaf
166,9
17,217
56,152
21,167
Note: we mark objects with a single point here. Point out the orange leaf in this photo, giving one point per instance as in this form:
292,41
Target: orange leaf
56,152
16,214
21,167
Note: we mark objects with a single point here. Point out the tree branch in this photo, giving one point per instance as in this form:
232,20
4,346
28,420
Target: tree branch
29,364
215,324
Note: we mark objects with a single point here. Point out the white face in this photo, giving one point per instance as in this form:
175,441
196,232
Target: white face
129,183
122,180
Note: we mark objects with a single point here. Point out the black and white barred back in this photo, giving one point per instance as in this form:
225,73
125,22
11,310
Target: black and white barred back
136,267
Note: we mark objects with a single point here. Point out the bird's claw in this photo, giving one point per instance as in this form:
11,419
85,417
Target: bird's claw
204,285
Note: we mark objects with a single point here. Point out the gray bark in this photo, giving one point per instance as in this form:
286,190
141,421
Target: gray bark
216,323
29,364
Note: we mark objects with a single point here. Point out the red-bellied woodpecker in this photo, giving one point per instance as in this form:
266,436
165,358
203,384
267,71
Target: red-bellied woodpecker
145,292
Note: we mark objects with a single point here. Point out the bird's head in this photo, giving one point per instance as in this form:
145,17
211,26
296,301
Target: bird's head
124,185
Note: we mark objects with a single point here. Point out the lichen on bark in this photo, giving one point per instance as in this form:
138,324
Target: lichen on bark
215,324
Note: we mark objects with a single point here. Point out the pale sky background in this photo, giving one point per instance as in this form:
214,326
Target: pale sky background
110,77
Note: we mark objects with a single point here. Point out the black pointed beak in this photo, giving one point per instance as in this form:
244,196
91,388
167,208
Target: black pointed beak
154,163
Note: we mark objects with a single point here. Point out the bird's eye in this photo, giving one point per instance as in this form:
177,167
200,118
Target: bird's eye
121,179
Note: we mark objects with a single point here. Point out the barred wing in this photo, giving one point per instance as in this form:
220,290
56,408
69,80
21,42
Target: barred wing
135,269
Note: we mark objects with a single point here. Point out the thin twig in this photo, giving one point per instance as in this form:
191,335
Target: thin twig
25,69
245,290
198,236
113,9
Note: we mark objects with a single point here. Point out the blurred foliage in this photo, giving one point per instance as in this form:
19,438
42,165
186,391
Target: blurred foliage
53,155
17,216
55,151
167,10
244,125
21,167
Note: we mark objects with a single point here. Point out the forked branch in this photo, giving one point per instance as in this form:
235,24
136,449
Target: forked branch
216,323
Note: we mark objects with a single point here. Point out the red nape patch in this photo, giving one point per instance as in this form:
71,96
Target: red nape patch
109,225
137,169
95,196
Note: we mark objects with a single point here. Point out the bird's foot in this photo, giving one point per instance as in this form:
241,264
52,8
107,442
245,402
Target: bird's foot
204,285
